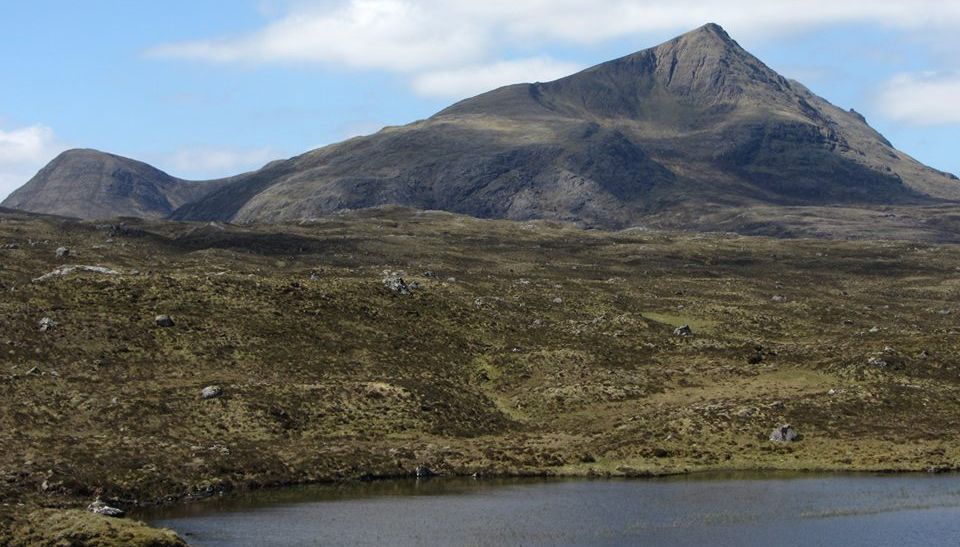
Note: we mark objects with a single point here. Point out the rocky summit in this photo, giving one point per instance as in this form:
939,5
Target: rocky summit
694,133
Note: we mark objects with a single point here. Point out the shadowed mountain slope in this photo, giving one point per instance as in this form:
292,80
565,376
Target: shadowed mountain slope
94,184
664,136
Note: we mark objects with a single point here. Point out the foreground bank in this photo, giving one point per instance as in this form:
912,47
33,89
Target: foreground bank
150,363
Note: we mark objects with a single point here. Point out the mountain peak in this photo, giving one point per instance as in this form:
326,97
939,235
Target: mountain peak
708,38
711,29
677,131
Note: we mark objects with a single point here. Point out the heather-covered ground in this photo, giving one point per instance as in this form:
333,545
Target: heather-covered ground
520,348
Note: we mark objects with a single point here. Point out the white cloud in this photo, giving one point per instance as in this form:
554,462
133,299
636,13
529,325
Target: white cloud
211,162
23,151
432,40
471,80
374,34
409,34
927,98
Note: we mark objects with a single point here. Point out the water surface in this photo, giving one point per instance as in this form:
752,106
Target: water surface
738,510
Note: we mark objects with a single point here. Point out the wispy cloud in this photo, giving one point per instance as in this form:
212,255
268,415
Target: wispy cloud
214,162
432,40
23,151
395,35
927,98
471,80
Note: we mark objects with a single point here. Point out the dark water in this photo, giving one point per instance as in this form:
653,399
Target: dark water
848,510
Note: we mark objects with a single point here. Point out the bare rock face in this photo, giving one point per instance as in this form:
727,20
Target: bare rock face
673,135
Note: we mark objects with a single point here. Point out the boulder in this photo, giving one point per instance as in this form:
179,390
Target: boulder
100,508
211,392
67,270
784,434
46,324
422,471
683,331
62,252
395,283
163,321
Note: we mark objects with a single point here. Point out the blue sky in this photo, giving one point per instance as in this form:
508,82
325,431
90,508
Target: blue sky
205,88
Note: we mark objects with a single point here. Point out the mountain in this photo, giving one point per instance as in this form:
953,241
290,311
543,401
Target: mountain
669,136
94,184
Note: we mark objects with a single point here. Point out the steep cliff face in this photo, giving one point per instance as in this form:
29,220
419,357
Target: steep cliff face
672,132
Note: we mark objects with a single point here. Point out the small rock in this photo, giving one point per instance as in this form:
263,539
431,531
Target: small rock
47,324
67,270
422,471
63,252
163,321
683,331
211,392
100,508
784,434
395,283
874,330
558,300
779,298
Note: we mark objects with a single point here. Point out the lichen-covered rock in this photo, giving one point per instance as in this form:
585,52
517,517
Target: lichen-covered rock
100,508
211,392
67,270
784,434
163,321
395,283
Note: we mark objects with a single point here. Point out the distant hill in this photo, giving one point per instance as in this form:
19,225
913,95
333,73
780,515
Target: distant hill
93,184
670,135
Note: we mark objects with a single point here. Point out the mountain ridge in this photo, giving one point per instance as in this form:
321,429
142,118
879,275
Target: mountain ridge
697,121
